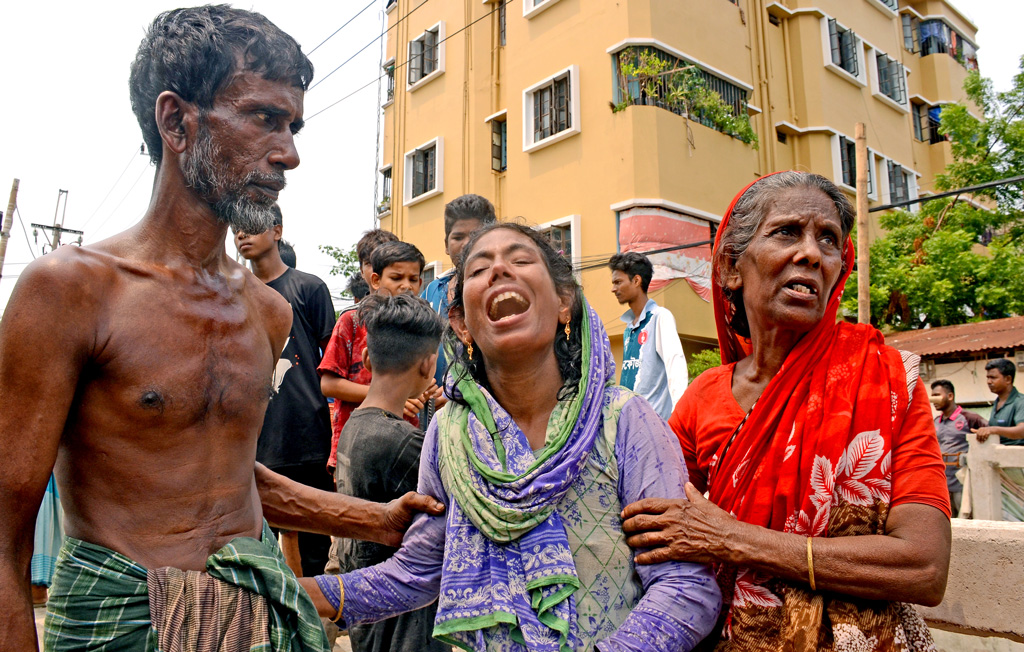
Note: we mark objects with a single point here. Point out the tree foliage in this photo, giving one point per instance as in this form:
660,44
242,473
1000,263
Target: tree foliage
678,86
958,259
703,360
346,261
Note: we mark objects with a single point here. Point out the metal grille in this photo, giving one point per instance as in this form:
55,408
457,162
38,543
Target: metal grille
391,81
844,47
423,56
386,185
848,161
910,33
731,94
424,167
551,109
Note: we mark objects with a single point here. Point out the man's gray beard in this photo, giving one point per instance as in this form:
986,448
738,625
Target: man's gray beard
227,200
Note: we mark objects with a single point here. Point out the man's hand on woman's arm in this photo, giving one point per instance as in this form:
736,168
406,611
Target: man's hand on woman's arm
290,505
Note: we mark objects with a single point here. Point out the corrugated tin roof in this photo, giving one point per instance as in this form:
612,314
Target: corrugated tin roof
994,335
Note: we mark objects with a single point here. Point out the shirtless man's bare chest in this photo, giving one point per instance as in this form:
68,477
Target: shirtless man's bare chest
157,453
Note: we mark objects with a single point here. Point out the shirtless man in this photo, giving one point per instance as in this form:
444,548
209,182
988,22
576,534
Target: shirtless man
139,369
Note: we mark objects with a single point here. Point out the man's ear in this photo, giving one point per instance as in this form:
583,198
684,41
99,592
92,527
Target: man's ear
177,120
366,360
637,281
374,281
278,231
428,365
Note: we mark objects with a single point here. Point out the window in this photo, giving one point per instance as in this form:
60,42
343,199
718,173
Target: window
936,37
899,183
926,123
431,271
389,70
667,85
499,144
848,164
891,81
424,176
551,109
891,4
844,46
560,238
501,22
426,54
385,191
910,32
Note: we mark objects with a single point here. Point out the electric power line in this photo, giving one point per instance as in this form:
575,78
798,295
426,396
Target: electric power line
25,231
949,193
100,205
404,63
342,27
375,39
104,222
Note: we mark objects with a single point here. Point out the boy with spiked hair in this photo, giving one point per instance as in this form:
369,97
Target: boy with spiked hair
379,452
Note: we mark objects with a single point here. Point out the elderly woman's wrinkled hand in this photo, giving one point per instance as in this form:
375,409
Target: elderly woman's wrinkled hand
692,529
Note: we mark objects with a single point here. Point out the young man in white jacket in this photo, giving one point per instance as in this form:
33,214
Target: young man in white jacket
653,365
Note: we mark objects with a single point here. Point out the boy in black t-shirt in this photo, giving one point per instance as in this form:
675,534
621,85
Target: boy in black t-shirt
379,452
295,440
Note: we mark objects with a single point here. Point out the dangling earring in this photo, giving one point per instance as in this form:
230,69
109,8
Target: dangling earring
469,350
567,331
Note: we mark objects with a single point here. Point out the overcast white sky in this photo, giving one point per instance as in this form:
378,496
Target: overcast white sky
66,122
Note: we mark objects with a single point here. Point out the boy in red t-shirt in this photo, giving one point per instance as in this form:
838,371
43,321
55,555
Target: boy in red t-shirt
394,267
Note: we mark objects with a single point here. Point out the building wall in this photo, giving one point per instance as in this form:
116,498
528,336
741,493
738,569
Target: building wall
646,155
968,377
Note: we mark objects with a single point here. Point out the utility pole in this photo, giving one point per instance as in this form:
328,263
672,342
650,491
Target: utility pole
59,229
863,259
5,232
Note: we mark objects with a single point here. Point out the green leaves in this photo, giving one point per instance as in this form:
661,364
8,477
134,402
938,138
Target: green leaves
958,259
346,260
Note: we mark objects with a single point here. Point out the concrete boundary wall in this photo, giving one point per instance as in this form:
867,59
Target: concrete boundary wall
985,592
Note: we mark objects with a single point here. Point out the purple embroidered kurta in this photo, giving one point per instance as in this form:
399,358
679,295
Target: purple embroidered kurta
620,606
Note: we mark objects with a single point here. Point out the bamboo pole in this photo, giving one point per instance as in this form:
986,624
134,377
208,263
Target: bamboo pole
863,260
5,232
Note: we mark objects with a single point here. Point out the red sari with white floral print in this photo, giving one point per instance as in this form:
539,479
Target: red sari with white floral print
814,457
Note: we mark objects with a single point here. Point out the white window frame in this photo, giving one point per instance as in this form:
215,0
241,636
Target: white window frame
912,183
885,8
533,7
391,7
384,69
837,168
860,79
876,89
529,145
573,222
436,72
407,173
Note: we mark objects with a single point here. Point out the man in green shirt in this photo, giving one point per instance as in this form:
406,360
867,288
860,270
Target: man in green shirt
1007,418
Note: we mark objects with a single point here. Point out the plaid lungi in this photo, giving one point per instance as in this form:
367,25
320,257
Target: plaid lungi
101,600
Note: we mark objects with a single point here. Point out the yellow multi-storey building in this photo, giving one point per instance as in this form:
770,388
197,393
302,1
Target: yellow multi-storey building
526,103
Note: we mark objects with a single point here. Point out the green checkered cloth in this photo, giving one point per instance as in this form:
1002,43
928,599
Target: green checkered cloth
99,599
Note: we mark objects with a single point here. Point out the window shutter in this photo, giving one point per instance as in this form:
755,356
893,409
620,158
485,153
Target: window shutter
429,52
415,61
833,36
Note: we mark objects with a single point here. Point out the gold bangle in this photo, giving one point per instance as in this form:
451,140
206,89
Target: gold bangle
810,565
341,601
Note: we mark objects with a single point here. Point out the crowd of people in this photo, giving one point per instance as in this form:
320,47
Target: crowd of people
457,465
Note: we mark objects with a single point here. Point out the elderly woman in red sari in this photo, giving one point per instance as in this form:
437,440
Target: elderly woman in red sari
827,511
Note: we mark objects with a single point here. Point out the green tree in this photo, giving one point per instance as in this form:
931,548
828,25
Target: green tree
703,360
955,260
346,261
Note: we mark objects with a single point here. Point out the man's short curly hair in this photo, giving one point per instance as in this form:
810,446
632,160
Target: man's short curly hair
195,51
